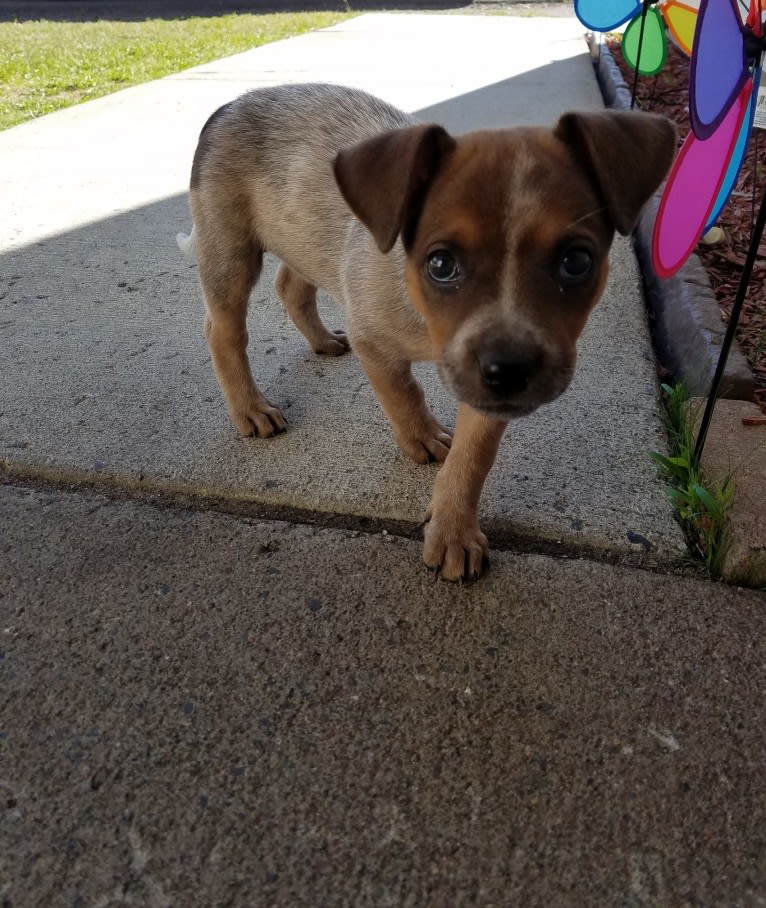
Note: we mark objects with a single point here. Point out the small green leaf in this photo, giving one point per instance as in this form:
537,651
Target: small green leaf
711,506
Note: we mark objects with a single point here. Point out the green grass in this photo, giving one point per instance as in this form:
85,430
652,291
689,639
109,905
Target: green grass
45,66
701,506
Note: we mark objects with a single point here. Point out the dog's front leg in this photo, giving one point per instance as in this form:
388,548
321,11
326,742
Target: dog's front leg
420,435
454,543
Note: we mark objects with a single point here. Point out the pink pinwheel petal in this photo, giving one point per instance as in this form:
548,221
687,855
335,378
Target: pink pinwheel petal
692,188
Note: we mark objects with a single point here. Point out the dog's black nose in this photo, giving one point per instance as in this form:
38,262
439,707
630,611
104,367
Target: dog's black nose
507,368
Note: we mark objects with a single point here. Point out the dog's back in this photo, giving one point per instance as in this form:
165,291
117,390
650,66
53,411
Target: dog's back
280,143
321,116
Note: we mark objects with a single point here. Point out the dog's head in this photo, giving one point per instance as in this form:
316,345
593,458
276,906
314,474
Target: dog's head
507,235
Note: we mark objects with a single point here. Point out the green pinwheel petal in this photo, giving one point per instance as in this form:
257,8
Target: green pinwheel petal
653,49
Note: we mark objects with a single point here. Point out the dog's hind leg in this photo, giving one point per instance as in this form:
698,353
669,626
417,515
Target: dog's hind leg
227,280
299,298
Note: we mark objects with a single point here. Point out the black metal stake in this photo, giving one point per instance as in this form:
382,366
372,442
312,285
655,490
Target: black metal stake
644,11
747,270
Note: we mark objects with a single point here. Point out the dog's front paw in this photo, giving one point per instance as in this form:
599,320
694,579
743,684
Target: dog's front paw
425,443
259,418
458,550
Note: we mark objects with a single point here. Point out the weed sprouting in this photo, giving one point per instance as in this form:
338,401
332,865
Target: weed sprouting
701,505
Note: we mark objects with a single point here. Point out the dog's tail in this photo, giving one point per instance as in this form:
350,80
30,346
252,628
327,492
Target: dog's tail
186,244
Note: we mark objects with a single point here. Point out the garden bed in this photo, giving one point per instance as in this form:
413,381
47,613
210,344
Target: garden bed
667,93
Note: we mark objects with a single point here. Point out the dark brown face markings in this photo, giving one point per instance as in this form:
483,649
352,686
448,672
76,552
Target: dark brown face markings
559,273
464,215
526,231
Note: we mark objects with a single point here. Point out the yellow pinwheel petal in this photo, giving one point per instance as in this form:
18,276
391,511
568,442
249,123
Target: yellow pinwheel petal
681,19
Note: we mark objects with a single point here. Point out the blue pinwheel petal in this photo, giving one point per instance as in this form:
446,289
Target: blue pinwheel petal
603,15
719,65
737,156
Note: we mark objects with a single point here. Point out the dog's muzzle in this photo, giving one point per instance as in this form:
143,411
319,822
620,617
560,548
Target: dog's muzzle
508,368
507,378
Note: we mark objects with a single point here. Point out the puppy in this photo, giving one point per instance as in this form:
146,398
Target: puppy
483,252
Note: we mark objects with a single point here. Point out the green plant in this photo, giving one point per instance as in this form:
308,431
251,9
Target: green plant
701,505
45,65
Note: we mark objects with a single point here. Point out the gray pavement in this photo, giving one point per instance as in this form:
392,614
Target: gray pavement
204,710
201,706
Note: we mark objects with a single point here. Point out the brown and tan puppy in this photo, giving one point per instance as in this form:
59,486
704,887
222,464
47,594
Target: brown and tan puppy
483,252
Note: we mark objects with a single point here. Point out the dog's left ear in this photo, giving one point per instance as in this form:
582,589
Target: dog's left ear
385,179
626,155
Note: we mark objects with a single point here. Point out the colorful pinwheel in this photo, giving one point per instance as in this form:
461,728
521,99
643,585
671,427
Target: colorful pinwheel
723,87
644,43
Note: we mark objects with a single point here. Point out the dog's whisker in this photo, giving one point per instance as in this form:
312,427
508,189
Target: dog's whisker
590,214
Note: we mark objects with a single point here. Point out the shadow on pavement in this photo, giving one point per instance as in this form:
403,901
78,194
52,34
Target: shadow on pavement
108,382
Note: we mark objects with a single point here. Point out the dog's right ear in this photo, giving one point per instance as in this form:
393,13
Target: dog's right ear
385,179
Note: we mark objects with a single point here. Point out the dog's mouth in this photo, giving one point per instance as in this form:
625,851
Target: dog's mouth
507,409
493,400
504,409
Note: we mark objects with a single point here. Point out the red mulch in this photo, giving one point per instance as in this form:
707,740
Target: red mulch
667,93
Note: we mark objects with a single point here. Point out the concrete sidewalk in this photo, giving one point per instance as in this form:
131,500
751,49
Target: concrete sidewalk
206,708
107,378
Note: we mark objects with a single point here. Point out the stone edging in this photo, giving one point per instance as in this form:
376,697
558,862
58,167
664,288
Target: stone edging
686,323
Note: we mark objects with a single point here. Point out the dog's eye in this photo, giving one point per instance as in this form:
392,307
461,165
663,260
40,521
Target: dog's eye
576,266
442,267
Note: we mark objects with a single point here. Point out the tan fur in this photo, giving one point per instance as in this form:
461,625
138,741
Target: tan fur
355,197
